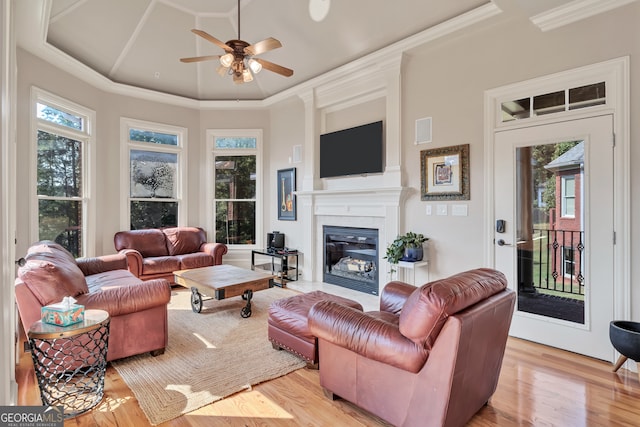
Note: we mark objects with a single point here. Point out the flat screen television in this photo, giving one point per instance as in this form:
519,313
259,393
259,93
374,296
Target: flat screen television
354,151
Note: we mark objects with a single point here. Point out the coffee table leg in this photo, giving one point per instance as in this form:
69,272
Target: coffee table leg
196,300
246,310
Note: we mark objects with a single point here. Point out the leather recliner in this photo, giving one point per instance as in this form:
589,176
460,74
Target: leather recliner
431,356
138,309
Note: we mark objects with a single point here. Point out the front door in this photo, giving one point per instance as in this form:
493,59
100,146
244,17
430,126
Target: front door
554,236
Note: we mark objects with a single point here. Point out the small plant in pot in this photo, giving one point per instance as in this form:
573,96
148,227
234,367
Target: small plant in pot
407,247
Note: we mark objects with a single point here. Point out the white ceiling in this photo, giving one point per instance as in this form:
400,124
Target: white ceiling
139,42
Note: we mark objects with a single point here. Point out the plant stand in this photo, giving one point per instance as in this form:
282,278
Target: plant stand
419,272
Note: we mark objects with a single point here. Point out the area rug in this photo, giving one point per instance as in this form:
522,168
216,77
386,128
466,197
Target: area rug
210,355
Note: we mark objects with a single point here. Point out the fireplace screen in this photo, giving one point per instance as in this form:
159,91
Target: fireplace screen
351,258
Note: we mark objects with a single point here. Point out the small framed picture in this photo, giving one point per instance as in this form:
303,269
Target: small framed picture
445,173
286,198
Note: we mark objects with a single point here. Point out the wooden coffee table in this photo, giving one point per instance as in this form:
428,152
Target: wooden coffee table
223,281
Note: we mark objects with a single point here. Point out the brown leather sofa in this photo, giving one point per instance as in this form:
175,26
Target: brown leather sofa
138,309
157,253
430,357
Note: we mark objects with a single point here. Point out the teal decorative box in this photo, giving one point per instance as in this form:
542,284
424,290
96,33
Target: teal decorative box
62,314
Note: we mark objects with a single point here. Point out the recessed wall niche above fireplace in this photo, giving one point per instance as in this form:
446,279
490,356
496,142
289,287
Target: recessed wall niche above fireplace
351,258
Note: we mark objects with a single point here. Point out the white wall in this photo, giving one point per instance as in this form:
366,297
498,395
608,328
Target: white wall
287,130
361,114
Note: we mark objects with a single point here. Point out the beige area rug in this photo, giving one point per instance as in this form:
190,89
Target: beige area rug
210,355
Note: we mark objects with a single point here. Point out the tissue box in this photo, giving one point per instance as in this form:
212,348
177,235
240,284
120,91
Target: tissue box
58,314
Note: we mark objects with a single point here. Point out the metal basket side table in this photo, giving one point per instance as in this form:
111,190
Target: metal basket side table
70,362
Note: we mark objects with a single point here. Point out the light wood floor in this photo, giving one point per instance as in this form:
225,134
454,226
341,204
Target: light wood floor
539,386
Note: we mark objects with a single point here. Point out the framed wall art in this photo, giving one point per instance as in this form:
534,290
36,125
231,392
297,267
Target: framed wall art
286,197
445,173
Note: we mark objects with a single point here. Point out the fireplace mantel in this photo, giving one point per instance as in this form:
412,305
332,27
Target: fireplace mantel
379,208
354,202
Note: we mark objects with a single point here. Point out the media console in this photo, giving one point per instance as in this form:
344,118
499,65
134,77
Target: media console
284,269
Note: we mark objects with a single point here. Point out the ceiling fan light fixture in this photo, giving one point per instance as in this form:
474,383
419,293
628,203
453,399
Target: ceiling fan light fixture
255,66
246,75
222,70
226,60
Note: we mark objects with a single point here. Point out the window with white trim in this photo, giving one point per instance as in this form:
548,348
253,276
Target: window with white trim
63,139
568,195
153,162
568,261
570,98
235,185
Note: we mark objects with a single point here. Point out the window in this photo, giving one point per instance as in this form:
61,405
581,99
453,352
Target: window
63,141
235,186
568,196
554,102
568,261
153,160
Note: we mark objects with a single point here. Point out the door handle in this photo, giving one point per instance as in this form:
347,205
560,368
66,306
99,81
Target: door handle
501,242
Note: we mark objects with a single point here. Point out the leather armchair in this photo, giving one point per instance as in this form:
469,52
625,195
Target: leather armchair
431,356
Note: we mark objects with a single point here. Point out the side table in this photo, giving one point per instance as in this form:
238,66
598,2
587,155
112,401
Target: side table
421,266
70,361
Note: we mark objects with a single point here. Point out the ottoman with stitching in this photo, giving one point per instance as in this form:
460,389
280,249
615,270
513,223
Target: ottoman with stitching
288,328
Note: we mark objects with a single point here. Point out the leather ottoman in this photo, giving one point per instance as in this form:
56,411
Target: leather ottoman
288,328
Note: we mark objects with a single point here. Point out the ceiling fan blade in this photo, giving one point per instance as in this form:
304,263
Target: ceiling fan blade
200,58
212,39
262,46
287,72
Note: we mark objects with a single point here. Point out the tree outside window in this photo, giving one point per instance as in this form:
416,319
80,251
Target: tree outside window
235,192
154,154
61,139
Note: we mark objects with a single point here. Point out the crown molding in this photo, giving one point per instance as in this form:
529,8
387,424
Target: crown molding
574,11
34,38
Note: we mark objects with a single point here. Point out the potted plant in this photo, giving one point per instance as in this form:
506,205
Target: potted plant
407,247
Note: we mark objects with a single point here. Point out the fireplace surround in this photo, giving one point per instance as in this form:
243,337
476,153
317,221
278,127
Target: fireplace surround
377,208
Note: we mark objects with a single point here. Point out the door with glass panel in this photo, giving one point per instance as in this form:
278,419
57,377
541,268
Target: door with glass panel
554,231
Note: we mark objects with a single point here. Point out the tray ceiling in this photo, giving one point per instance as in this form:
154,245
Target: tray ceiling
139,42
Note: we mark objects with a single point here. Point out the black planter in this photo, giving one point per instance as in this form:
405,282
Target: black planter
625,337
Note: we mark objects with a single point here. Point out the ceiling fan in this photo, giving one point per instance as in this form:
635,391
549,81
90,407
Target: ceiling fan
240,57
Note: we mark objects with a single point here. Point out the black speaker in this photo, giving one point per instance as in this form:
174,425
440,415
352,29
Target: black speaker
275,240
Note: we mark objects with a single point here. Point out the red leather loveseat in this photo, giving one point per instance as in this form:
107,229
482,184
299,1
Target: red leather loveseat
431,356
138,309
158,252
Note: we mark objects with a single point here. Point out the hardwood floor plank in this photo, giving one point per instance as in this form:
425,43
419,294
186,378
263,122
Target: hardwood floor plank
539,386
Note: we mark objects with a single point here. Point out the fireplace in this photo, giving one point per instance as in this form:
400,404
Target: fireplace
351,258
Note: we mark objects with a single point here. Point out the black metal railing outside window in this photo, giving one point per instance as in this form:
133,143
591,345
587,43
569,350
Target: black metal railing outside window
557,262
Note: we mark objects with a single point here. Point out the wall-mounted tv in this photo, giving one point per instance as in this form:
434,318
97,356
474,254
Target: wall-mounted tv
354,151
